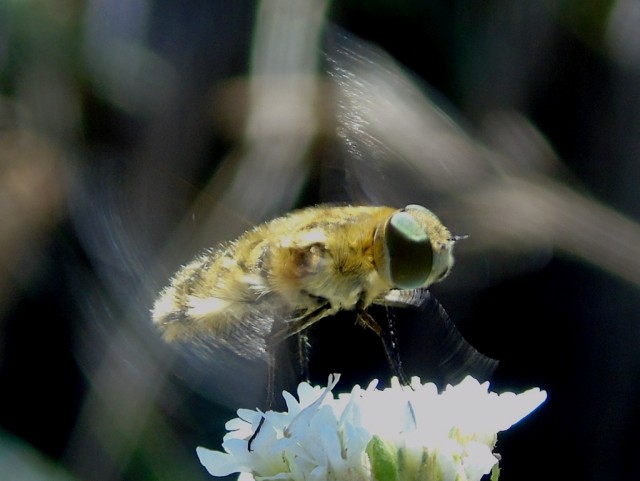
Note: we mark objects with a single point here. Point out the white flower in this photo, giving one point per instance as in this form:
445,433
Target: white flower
395,434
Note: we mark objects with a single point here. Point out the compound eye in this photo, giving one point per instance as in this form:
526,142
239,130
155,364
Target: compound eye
417,208
410,255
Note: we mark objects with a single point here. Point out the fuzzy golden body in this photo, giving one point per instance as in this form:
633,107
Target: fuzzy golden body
284,275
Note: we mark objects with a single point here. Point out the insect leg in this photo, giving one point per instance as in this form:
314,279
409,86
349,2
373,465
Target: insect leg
392,339
388,342
271,379
299,325
303,355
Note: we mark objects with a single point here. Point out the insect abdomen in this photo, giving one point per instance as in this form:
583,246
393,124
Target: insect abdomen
209,294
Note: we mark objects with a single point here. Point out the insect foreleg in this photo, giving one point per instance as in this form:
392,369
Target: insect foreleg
392,339
388,342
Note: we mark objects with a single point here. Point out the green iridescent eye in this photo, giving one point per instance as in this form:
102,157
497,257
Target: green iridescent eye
410,255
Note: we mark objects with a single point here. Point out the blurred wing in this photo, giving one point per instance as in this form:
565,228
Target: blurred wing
513,200
399,147
445,357
246,338
233,368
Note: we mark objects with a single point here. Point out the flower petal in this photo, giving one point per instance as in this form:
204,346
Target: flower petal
384,434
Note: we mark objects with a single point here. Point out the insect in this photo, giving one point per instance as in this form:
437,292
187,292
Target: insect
281,277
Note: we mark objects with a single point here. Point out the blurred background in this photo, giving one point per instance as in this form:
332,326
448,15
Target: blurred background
135,133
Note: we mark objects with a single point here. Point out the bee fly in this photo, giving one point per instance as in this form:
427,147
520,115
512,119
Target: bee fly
281,277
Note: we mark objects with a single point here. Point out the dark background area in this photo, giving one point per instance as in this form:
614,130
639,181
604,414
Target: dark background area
114,118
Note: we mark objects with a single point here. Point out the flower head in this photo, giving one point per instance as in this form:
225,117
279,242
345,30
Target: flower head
398,433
